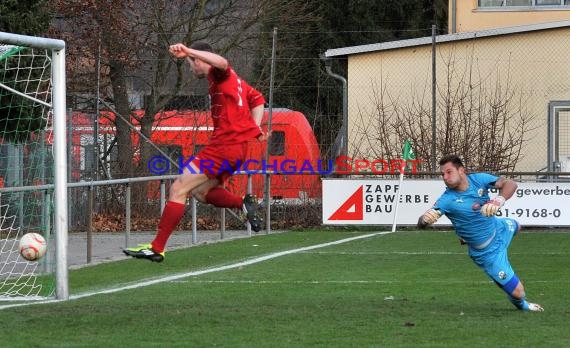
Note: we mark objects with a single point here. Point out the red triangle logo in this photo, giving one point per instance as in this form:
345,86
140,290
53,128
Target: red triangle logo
346,211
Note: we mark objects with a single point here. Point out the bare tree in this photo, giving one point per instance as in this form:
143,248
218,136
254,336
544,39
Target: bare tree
483,118
131,39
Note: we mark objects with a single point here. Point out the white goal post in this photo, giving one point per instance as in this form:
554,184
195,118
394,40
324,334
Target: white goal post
57,107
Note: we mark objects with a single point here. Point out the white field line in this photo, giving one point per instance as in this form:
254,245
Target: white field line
422,253
324,282
205,271
385,253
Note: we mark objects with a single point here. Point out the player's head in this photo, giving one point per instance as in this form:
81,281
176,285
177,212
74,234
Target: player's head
202,46
452,171
199,67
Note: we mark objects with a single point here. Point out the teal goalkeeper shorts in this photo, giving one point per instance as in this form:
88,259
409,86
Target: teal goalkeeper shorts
494,259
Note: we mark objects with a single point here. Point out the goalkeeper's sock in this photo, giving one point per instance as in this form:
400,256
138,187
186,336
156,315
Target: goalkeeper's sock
171,216
521,304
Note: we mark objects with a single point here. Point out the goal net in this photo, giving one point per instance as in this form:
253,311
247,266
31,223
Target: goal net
29,171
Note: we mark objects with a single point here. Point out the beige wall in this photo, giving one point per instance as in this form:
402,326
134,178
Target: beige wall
470,18
536,66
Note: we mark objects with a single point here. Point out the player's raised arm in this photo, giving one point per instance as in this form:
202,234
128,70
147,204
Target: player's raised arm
180,50
429,217
507,189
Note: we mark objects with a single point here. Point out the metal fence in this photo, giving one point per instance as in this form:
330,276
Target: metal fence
502,101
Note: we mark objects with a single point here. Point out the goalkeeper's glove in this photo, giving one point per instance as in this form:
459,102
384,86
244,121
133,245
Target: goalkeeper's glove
429,218
492,207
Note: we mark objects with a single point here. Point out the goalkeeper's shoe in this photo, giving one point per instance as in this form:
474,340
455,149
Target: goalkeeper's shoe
535,307
144,251
249,209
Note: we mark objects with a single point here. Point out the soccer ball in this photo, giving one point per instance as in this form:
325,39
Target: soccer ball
32,246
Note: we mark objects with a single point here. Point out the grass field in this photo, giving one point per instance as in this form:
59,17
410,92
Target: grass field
406,289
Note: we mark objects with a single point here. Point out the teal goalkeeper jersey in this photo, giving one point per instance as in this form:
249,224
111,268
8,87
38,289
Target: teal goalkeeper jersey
463,209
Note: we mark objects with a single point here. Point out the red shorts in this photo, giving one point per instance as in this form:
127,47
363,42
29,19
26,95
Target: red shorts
220,161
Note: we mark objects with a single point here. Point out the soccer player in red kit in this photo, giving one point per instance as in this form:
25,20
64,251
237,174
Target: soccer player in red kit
237,110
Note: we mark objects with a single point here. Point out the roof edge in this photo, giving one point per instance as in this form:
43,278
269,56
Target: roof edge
345,51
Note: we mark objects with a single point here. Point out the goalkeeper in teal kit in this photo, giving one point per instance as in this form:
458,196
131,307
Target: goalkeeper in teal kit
467,205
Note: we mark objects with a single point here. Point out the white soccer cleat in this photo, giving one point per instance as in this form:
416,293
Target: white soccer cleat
534,307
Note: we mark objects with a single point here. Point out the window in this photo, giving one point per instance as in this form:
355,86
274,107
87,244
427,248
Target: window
490,3
547,2
198,148
518,3
172,151
277,143
522,3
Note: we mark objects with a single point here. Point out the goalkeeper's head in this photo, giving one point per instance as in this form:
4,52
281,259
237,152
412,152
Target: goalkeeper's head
453,159
453,172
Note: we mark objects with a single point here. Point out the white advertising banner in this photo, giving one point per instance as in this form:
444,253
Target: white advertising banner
373,202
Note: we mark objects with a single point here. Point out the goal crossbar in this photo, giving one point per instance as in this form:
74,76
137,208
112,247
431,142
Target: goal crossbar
31,41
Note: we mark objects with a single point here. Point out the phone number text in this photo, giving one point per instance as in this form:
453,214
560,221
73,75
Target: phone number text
534,213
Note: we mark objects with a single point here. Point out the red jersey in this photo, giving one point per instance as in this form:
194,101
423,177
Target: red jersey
231,99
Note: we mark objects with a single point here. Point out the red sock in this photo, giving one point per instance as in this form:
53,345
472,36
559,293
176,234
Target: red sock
222,198
170,218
